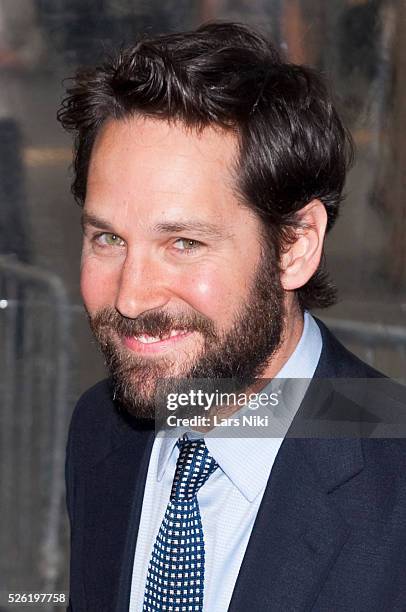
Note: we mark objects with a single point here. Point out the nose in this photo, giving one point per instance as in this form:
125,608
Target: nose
141,286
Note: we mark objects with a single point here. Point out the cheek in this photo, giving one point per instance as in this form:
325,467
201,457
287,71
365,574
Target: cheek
208,292
97,285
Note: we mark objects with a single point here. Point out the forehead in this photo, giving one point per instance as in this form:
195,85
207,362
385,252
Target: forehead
140,158
143,135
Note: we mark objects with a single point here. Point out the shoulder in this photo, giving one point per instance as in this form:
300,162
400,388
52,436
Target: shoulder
383,399
99,426
94,418
336,361
95,404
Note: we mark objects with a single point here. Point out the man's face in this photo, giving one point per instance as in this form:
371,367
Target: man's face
174,277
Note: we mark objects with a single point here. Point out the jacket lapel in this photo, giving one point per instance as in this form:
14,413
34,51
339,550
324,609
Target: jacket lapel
114,493
298,534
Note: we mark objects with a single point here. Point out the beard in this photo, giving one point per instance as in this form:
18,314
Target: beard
239,354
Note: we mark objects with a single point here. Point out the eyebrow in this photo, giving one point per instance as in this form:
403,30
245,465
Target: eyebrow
201,227
95,221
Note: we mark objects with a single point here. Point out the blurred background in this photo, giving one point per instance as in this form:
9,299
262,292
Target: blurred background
47,355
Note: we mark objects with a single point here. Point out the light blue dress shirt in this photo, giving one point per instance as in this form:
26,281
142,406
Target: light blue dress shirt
229,500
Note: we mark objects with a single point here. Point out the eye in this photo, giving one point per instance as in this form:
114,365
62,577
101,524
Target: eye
108,240
186,245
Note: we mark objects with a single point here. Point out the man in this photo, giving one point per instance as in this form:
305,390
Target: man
209,172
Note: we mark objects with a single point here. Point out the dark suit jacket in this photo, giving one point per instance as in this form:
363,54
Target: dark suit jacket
330,534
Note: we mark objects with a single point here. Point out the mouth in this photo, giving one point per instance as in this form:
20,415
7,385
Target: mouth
144,343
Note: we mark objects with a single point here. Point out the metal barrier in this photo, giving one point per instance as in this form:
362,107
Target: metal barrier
34,414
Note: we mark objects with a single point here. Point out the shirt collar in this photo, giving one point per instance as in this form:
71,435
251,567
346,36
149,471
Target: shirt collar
167,441
246,461
303,361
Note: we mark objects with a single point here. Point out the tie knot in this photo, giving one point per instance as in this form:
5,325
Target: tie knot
193,468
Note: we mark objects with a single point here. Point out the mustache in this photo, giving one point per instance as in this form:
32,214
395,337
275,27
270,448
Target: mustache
154,323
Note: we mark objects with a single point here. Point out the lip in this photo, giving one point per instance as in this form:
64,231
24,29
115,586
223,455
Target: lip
154,347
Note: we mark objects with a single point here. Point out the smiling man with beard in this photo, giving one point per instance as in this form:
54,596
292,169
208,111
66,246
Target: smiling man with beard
239,352
196,276
209,171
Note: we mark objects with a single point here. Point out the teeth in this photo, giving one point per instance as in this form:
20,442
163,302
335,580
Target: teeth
145,339
175,332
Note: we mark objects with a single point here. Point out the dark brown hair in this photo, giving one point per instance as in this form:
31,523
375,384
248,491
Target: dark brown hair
293,147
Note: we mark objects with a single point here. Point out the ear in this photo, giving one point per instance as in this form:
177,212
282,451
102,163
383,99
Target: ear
301,259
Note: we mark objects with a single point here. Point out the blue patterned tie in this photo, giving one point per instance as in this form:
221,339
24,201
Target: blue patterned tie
175,579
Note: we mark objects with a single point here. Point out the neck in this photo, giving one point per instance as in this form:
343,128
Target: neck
293,329
292,332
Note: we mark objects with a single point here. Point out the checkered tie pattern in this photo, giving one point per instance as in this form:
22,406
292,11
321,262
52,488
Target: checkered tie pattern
175,580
